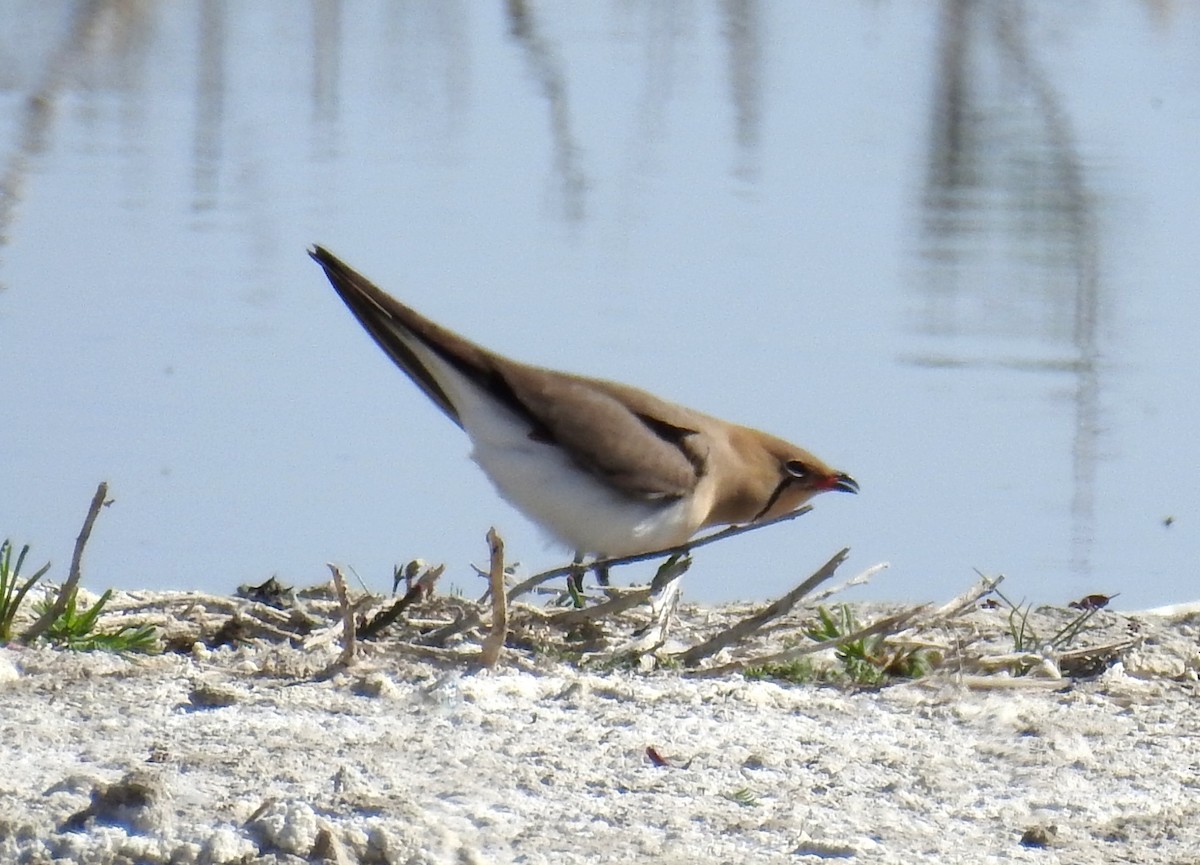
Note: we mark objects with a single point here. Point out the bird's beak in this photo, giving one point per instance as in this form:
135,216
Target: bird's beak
843,483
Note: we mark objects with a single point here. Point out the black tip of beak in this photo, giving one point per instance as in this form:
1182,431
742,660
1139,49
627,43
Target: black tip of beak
844,483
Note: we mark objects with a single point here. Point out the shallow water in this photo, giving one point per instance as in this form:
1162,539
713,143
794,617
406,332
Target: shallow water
949,247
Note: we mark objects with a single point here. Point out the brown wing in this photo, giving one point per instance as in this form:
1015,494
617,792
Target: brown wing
632,441
641,454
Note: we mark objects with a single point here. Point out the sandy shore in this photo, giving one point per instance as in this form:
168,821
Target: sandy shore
249,753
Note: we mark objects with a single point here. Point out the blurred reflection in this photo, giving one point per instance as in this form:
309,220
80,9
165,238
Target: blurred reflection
743,31
546,69
1006,187
85,30
210,103
327,37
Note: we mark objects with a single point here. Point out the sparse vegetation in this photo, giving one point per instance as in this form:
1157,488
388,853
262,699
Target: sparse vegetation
799,671
743,796
75,628
12,589
868,660
59,618
1027,640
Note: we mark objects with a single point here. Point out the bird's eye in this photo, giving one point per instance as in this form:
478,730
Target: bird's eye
797,469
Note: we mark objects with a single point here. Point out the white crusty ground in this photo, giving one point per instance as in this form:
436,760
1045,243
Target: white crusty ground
404,761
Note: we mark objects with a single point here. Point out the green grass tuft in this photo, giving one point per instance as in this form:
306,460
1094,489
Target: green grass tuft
12,590
868,661
1027,640
76,629
743,796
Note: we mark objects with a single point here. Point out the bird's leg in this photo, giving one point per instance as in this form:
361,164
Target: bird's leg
578,572
601,572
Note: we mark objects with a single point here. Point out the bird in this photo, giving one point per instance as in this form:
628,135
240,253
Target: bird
605,469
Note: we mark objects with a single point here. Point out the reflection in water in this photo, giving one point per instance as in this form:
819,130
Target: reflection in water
88,25
665,31
743,30
327,37
210,104
1005,178
661,25
547,70
312,114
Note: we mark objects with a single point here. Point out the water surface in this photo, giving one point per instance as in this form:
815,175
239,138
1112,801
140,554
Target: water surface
948,247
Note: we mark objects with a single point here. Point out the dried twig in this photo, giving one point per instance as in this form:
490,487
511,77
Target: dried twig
1075,661
958,605
348,640
67,591
994,683
773,611
891,623
465,622
681,549
664,598
621,600
1042,665
422,588
245,625
494,641
859,579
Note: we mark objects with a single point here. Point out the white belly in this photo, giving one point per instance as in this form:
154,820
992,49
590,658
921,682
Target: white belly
577,510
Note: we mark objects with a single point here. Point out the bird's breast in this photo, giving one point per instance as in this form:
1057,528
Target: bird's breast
576,508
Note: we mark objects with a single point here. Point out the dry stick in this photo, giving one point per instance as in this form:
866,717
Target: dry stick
68,588
999,683
680,549
956,606
654,635
952,609
621,600
663,605
437,639
618,602
1110,649
257,627
494,641
664,598
419,589
339,584
749,625
894,622
1054,670
859,579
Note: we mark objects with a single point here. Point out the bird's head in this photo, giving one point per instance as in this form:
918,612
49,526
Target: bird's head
798,477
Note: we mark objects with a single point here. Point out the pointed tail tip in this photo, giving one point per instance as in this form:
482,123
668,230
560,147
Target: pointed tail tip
344,279
330,263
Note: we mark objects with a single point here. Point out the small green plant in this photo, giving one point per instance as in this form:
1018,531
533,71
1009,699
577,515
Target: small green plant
868,660
75,628
743,796
798,671
12,590
59,617
664,661
1026,639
